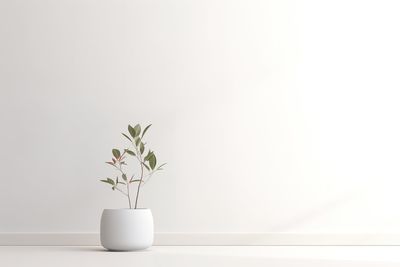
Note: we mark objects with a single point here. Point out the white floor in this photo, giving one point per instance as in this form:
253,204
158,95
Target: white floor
165,256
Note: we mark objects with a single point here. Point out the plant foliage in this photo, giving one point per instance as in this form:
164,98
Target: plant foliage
147,164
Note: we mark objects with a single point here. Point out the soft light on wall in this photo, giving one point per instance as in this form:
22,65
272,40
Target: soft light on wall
273,116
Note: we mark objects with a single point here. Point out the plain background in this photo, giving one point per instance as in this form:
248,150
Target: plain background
273,116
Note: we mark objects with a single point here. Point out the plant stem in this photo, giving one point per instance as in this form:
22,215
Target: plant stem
127,185
128,195
139,157
140,182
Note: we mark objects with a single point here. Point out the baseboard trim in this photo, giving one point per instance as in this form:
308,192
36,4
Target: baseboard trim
207,239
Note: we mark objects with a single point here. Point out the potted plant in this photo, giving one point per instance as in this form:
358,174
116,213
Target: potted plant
131,228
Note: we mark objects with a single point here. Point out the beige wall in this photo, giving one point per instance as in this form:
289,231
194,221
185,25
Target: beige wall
273,116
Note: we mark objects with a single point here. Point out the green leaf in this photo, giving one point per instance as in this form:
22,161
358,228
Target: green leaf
132,181
124,177
137,141
145,129
137,129
141,148
122,183
108,181
116,153
132,131
160,167
109,162
147,167
152,161
130,152
148,155
127,137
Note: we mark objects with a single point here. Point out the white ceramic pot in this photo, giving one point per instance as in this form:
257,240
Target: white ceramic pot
126,229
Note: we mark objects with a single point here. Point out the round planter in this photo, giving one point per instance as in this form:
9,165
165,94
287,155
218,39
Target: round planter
126,229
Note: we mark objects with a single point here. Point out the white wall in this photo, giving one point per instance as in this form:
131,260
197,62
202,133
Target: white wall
273,116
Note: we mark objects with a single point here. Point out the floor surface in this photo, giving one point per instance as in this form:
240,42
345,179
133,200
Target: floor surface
165,256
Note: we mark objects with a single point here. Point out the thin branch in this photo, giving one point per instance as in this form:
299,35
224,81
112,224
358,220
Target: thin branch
115,187
148,176
143,178
139,157
129,196
127,182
